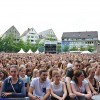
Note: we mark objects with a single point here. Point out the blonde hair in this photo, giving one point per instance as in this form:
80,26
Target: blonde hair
55,72
35,71
89,70
22,67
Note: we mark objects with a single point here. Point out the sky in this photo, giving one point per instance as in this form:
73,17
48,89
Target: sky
60,15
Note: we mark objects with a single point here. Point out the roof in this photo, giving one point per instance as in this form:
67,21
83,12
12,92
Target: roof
12,27
48,32
28,30
85,34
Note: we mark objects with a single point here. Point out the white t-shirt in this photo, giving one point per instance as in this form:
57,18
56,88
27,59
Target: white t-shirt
69,65
40,88
97,78
82,88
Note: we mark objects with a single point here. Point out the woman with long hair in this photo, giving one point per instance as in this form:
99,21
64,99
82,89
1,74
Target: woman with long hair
58,88
80,86
13,86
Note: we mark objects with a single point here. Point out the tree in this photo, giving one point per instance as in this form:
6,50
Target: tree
82,48
66,48
50,37
20,44
90,48
41,47
27,45
35,46
58,48
8,43
74,48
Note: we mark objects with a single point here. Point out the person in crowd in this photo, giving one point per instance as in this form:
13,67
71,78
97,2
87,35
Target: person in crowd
29,72
0,87
70,64
24,77
3,75
13,86
1,65
93,81
40,87
50,73
7,68
97,73
58,88
69,75
35,73
79,86
70,72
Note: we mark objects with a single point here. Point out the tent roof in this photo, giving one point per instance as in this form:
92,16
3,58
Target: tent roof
21,51
37,51
29,51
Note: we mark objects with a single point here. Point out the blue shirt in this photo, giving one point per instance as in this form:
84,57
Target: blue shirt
19,88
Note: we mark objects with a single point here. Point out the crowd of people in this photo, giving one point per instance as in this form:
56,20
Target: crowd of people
65,76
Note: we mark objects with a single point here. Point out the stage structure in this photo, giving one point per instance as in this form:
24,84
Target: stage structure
50,47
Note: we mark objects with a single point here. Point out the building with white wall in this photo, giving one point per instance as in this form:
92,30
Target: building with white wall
31,35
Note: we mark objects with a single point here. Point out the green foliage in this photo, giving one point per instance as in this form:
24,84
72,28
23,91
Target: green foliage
90,48
58,48
50,37
66,48
1,44
20,44
8,43
82,48
41,48
74,49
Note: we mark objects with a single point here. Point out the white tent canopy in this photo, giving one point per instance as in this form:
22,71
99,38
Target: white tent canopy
29,51
21,51
85,52
37,51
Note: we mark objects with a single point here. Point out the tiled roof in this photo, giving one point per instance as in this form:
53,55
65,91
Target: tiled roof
46,33
12,27
86,34
28,30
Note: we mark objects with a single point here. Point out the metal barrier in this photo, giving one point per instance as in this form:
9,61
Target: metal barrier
26,98
96,97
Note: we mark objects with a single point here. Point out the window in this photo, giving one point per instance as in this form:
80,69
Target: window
32,40
32,36
35,36
31,33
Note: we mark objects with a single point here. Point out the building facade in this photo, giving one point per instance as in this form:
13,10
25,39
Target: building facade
31,35
78,39
48,35
12,30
